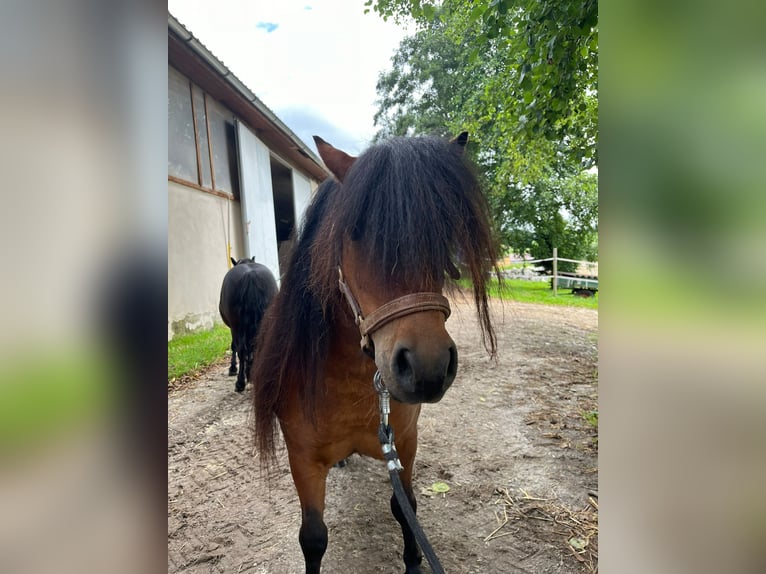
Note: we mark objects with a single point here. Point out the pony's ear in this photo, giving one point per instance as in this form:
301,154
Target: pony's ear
337,161
233,261
252,259
460,141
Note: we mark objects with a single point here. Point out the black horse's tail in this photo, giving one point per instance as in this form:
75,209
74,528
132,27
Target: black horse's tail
252,297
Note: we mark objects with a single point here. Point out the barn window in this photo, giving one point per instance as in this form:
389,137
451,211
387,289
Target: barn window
200,118
224,146
202,146
182,148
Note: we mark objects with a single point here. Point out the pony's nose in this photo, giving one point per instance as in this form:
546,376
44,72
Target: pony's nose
426,375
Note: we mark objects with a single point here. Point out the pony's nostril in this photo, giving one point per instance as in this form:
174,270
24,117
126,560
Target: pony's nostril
427,378
403,364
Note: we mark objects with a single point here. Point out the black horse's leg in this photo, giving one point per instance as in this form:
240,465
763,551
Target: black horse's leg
242,352
233,365
247,364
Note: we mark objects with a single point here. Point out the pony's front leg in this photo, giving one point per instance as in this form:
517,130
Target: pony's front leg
412,556
313,539
310,480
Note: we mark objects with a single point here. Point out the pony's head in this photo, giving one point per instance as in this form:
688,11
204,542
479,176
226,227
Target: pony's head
407,212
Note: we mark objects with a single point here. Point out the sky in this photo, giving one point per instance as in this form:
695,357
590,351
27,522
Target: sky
314,63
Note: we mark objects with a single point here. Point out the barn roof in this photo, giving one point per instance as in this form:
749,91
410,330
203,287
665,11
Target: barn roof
189,56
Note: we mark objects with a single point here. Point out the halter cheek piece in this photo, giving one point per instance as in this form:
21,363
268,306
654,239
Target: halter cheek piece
395,309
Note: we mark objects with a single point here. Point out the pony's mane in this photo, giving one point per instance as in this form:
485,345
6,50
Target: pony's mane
416,210
293,340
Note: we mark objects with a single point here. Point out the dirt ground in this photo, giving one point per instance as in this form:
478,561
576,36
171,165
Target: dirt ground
509,439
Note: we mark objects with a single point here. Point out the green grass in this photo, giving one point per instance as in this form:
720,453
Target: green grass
539,292
591,418
190,353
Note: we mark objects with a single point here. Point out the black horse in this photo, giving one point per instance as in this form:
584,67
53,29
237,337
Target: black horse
248,289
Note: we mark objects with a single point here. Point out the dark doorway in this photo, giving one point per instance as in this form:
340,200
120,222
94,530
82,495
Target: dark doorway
284,211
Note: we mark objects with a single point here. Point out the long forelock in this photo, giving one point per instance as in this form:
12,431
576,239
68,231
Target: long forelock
411,205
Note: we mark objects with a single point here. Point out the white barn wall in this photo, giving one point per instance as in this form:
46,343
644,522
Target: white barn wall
197,255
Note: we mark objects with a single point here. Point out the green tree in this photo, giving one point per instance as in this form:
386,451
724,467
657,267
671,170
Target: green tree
539,190
559,212
425,92
550,79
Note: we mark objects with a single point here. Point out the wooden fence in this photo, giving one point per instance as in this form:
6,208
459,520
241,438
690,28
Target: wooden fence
555,259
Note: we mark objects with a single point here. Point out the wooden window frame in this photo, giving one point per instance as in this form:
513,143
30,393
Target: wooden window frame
198,184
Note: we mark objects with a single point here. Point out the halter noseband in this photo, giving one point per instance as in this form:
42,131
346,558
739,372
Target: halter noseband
395,309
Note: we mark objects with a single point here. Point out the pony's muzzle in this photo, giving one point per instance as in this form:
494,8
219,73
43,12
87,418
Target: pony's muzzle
422,376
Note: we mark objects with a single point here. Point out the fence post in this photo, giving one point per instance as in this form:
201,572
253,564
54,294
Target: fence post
555,272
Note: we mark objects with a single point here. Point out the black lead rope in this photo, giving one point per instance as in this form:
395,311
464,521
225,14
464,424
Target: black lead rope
386,437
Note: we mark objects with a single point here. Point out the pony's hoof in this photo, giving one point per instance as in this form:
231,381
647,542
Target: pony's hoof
341,463
239,388
232,371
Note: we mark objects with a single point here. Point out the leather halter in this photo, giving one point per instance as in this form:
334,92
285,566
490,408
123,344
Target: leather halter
394,309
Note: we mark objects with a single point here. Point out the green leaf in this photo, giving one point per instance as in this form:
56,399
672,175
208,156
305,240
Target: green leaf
440,487
526,83
477,11
578,543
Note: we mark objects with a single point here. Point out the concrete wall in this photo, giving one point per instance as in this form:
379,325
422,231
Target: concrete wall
199,227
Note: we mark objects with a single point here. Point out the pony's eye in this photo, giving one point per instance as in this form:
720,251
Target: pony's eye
452,270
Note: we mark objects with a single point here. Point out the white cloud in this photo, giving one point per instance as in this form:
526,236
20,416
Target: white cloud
322,58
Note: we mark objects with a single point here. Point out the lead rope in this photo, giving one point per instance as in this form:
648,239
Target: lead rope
386,437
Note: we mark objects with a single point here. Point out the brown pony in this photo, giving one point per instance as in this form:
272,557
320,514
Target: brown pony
393,223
